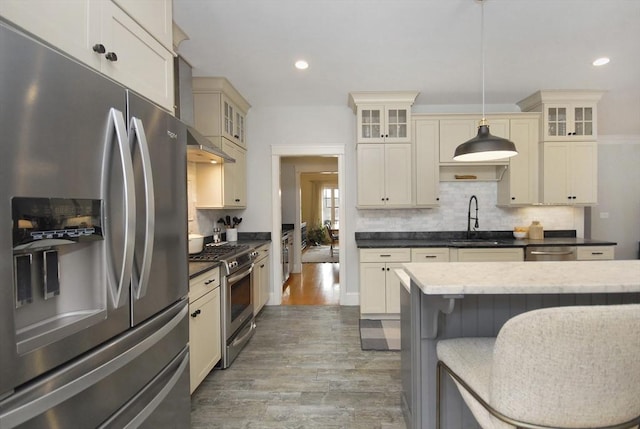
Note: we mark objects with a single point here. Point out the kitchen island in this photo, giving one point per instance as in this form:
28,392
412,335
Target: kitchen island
469,299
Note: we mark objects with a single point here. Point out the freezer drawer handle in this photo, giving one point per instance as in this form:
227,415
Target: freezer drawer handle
139,419
119,282
19,415
141,273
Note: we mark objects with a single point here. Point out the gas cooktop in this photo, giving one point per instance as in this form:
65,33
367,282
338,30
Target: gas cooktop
219,252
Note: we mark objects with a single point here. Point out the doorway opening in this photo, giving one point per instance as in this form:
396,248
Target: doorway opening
307,184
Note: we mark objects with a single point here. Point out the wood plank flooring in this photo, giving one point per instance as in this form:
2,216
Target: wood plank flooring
303,369
317,284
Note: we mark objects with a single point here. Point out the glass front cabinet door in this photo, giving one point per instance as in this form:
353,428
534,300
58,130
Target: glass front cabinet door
378,124
570,121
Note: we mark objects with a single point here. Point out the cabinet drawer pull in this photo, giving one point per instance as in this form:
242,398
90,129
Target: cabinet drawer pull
385,256
597,253
430,256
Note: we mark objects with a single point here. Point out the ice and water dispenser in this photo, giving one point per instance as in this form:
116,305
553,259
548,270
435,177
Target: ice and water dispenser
57,255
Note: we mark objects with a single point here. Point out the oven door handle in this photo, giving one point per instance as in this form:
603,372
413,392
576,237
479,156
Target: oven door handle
243,338
236,277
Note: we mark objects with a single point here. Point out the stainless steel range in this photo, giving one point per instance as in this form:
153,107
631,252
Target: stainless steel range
236,301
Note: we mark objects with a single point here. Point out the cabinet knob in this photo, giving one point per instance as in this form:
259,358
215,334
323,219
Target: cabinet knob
387,269
236,136
438,199
111,56
195,313
237,200
513,198
99,48
386,135
382,268
569,197
381,136
382,199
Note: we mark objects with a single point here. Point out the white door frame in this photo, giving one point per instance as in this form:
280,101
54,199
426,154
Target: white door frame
278,151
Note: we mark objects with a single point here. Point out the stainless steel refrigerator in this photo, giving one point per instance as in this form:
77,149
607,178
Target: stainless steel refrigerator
93,270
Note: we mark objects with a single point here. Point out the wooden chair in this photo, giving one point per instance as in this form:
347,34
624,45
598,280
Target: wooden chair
561,367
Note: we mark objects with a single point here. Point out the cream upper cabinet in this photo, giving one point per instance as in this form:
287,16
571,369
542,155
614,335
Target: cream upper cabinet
383,117
519,184
455,131
379,124
72,26
104,37
570,173
426,147
220,110
137,60
384,175
566,115
235,176
155,16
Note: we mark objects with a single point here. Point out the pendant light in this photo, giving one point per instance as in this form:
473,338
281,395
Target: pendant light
485,146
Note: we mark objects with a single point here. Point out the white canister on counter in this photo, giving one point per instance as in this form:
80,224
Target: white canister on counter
232,234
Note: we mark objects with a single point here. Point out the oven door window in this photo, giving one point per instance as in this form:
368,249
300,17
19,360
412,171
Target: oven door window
240,297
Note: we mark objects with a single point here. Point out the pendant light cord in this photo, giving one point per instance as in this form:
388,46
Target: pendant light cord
482,53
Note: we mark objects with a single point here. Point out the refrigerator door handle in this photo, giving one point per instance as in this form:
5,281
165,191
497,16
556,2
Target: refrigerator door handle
138,135
41,404
118,286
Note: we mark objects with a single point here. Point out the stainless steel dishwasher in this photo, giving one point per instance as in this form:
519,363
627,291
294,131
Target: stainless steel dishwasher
550,253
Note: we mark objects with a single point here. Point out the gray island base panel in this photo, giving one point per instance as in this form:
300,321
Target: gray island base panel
468,299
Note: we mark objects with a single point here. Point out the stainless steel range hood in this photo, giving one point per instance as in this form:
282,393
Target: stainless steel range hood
200,149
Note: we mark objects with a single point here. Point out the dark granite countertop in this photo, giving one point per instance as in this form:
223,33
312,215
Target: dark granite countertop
458,239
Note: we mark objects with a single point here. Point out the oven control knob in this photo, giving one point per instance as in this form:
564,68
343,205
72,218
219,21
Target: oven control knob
254,254
233,264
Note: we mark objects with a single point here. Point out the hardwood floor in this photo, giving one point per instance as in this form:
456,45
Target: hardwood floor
317,284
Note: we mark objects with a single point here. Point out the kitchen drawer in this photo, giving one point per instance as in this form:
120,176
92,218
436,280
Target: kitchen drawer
204,283
385,255
592,253
430,254
489,255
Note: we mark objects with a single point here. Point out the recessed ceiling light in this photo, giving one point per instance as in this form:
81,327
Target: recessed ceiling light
601,61
302,65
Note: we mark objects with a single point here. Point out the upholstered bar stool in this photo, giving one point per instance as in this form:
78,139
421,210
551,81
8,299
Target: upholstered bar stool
561,367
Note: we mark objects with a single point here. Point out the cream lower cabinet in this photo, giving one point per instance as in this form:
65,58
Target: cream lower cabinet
379,285
430,254
205,346
105,37
384,175
261,279
487,254
570,173
595,253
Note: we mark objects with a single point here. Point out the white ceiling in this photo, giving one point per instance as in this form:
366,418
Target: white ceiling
432,46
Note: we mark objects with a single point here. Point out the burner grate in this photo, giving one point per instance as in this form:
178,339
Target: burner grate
218,252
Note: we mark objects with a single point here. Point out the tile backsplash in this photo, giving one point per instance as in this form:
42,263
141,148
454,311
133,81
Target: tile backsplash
452,213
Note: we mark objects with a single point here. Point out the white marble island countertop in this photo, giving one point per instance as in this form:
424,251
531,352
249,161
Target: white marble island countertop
444,278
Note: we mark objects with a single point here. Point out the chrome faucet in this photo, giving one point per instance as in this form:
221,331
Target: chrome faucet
476,225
